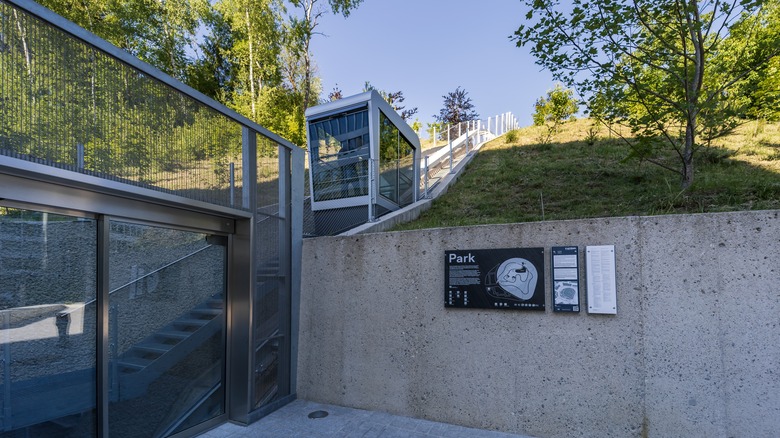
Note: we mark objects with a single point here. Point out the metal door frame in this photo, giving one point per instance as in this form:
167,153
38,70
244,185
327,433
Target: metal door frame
45,193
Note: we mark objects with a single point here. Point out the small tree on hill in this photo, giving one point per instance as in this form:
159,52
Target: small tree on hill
551,111
457,108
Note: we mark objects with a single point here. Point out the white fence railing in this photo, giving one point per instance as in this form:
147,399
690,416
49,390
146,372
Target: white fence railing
460,140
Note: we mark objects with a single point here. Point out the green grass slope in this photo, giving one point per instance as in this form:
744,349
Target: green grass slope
524,181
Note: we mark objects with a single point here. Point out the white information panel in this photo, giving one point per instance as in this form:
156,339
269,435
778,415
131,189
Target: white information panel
600,273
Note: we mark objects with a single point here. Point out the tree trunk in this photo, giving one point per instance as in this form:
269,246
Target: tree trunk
693,92
687,156
251,63
310,24
23,37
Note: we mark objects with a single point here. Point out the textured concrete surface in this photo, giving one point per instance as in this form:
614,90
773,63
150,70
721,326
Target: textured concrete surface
692,351
293,421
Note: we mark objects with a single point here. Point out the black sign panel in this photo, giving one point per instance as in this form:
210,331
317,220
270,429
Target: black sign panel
510,278
565,279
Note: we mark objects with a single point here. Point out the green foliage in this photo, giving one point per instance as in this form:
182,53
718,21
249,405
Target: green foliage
756,39
511,136
668,70
591,135
158,32
435,126
551,111
297,58
243,53
130,127
558,106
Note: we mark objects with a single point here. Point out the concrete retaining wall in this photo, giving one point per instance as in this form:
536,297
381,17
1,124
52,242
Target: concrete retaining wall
692,352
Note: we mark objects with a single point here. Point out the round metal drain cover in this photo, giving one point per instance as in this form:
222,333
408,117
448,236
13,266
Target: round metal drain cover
318,414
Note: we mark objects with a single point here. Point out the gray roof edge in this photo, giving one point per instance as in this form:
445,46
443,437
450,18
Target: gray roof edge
356,100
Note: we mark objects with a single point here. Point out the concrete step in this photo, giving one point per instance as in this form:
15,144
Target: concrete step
154,348
207,312
190,324
172,334
133,363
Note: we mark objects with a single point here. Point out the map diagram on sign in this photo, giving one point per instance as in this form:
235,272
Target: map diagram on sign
566,292
515,278
501,278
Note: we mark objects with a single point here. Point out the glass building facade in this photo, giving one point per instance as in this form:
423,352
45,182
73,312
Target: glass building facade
149,245
363,162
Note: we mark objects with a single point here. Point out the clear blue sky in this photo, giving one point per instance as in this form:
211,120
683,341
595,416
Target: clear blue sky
427,48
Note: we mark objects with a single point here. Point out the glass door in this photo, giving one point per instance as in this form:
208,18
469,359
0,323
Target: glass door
153,295
166,329
47,324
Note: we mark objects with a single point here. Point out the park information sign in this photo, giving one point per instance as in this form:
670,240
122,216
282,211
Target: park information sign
600,272
565,279
495,278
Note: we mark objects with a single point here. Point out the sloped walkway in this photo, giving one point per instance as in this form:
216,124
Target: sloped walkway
293,421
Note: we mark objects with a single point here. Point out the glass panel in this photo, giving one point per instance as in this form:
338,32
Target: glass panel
166,329
47,331
406,184
267,176
339,158
388,159
270,313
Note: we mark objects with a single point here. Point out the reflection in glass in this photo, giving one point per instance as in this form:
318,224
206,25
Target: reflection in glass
396,164
267,175
339,156
166,329
388,159
406,184
47,324
270,303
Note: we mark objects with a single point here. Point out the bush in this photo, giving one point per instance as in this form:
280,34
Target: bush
511,136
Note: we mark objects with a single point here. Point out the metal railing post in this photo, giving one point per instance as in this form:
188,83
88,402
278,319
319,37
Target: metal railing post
232,184
467,138
426,177
114,349
371,189
6,367
80,156
450,143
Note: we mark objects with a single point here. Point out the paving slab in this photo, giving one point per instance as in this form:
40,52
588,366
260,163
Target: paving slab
293,420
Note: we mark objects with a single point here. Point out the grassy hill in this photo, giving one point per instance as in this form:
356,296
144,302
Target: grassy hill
572,178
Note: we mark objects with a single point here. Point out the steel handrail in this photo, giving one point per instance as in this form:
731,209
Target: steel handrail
67,312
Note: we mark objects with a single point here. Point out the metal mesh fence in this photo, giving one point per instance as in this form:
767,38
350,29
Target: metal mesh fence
66,104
